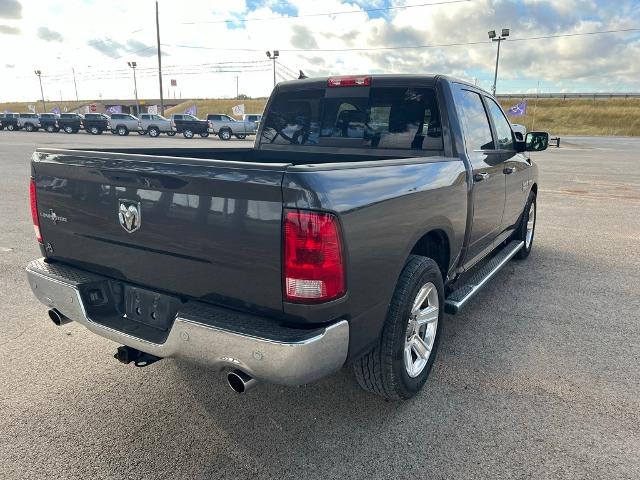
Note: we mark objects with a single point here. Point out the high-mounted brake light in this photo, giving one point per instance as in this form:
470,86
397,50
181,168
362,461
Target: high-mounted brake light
349,82
313,267
34,209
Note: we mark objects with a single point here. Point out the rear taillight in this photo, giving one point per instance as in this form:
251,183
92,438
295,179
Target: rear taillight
313,267
34,209
349,82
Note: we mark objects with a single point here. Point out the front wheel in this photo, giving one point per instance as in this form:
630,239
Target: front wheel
28,127
11,127
122,131
225,134
94,131
171,134
204,134
51,128
68,129
241,137
153,132
141,132
398,366
527,227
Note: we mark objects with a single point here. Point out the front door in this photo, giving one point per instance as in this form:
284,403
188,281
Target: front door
488,191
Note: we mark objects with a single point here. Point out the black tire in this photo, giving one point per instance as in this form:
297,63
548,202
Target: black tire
241,137
224,134
204,134
171,134
51,128
521,231
94,131
188,133
29,128
122,130
68,129
11,127
153,132
382,370
141,132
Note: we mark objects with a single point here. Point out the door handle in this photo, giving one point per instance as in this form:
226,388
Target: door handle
478,177
509,170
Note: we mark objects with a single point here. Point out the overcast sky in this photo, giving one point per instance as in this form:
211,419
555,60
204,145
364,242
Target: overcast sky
207,44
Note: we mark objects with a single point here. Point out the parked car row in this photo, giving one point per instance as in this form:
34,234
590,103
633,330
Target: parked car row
224,126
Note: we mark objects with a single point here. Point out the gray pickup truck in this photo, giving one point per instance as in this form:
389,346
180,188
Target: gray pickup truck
368,208
226,127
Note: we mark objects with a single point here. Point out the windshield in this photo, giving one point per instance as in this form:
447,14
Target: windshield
381,118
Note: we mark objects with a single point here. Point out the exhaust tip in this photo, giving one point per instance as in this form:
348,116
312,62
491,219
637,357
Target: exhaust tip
57,318
240,382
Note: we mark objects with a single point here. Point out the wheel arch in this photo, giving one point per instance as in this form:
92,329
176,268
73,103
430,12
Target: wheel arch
435,244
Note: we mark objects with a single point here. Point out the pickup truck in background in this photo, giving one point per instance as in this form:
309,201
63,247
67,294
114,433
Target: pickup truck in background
189,126
225,127
96,123
154,125
341,237
29,122
49,122
70,122
124,123
9,121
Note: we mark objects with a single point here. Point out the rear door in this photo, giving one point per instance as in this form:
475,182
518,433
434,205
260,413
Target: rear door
487,171
202,229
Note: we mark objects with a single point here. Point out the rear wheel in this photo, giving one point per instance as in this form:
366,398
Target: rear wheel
122,131
141,132
94,131
171,134
68,129
11,127
224,134
29,128
241,137
153,132
527,227
399,365
187,133
51,128
204,134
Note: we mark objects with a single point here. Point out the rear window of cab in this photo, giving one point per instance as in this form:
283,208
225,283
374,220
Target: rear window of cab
358,117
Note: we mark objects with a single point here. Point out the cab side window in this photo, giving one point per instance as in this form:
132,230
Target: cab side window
473,116
502,125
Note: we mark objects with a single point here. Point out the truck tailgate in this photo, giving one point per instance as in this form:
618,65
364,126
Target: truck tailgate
203,229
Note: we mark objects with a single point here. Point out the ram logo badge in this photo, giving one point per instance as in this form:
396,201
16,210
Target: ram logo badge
130,215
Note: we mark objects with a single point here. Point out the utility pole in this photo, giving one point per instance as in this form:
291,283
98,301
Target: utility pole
159,59
237,88
75,85
133,66
39,74
499,39
276,54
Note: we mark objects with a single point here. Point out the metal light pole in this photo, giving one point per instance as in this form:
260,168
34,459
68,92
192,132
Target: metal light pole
75,85
499,39
133,66
273,56
39,74
237,88
160,60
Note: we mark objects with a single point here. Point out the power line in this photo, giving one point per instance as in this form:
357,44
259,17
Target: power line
347,12
408,47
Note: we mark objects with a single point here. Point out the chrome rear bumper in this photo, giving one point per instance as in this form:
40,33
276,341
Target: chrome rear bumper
205,334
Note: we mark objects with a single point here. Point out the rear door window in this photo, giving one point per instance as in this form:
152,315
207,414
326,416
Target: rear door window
385,118
477,131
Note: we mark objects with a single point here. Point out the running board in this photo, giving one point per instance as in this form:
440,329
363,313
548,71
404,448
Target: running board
459,297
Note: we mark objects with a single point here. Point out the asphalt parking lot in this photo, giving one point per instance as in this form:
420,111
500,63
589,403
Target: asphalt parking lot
538,378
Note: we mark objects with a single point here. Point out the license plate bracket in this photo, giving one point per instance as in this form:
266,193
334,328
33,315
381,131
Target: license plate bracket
151,308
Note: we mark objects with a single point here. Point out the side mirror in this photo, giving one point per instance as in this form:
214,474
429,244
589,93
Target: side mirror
536,141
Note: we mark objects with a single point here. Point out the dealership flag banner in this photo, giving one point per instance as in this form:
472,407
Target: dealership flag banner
518,110
238,110
152,109
56,110
114,109
192,110
32,108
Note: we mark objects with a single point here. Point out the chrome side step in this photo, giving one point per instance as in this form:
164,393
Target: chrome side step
459,297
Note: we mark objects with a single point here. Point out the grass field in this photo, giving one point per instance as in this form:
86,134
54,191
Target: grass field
581,117
558,117
221,105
